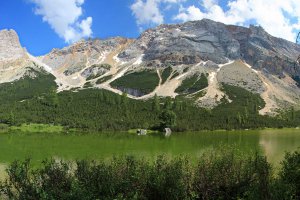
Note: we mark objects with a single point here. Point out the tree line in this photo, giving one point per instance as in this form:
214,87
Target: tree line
36,101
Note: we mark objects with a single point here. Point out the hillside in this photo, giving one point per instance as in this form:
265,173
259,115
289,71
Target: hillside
221,75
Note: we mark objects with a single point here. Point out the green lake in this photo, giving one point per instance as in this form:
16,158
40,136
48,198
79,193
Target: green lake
37,146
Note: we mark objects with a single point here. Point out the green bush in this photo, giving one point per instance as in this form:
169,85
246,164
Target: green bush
228,176
222,174
289,176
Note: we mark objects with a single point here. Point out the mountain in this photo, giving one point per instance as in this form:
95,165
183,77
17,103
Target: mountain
15,61
195,60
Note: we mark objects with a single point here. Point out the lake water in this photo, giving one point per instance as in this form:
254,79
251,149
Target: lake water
272,143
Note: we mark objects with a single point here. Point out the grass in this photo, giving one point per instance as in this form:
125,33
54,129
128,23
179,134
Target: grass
38,128
193,84
175,75
199,95
3,128
88,85
103,79
166,74
144,81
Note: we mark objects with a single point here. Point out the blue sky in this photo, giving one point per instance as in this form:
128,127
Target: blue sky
46,24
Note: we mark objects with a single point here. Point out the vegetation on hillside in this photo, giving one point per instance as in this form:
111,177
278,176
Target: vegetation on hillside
166,74
103,79
143,81
36,101
105,67
192,84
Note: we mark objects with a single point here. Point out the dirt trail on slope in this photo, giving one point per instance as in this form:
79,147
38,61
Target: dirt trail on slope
168,88
213,92
271,94
270,103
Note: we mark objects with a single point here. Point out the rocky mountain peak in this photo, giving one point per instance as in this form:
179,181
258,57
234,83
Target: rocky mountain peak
249,58
10,47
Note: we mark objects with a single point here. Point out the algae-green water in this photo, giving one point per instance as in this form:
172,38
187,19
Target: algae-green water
40,146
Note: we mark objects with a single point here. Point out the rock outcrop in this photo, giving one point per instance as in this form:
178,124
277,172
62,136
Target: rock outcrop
14,60
187,43
82,54
204,40
10,47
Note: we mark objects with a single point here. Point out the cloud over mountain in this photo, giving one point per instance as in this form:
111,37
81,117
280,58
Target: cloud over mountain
280,18
65,18
150,11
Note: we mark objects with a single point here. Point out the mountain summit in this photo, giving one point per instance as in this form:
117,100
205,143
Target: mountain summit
10,47
204,40
194,59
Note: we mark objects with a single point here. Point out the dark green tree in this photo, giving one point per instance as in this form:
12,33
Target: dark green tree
156,103
168,103
167,119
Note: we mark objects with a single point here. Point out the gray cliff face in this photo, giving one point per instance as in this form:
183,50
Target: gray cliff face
263,51
203,40
187,43
10,47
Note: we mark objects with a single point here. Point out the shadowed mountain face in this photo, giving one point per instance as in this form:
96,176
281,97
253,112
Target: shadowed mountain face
194,59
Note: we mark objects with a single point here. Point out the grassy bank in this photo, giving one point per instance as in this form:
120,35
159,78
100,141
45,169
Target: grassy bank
38,128
216,175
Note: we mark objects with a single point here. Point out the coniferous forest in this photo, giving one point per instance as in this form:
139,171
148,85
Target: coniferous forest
36,101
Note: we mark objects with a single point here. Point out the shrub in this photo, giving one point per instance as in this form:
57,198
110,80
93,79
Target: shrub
288,183
221,174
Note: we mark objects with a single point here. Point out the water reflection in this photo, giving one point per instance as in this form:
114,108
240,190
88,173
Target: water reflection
273,143
276,142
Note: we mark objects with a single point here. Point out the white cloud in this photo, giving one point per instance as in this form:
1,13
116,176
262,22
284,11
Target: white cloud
64,18
274,15
148,12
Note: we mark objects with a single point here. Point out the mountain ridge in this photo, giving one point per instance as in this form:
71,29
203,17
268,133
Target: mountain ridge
249,58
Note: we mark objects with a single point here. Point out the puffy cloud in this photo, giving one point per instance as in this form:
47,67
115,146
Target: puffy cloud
64,18
148,12
279,18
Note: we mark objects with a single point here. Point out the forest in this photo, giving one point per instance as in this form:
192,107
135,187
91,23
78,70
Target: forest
36,101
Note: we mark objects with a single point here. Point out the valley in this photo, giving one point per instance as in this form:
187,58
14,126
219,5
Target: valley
149,100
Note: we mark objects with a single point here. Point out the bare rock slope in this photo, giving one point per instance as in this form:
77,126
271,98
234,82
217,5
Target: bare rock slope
14,59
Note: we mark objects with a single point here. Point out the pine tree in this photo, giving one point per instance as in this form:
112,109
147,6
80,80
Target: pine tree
12,118
168,104
155,103
167,119
239,118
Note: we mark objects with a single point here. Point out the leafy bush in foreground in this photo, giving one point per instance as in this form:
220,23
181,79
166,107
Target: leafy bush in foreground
216,175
